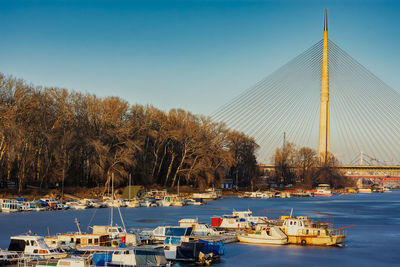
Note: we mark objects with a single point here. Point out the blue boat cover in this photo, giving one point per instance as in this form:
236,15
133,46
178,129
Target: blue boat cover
101,258
217,248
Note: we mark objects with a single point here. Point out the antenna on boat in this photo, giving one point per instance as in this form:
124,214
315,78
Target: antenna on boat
129,187
77,224
122,220
291,213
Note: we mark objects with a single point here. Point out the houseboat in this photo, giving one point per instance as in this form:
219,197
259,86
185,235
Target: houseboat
74,240
9,205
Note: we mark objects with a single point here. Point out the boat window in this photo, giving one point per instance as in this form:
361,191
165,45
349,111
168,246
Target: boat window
96,240
307,231
291,222
120,230
33,243
127,252
90,241
294,223
319,232
27,242
78,241
35,251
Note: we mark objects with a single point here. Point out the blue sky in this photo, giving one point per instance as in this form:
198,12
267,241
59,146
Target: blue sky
195,55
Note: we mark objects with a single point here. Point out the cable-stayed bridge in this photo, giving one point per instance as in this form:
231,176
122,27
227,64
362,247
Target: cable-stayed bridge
323,99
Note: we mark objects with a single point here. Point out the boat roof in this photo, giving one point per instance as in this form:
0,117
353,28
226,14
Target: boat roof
111,249
27,237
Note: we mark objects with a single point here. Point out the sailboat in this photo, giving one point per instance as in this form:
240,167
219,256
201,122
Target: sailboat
117,234
131,203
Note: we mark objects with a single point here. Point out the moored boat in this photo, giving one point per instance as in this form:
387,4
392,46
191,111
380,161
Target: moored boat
33,246
8,257
301,230
264,234
323,190
9,205
128,256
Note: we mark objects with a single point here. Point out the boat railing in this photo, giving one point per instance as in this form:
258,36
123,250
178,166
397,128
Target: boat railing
342,230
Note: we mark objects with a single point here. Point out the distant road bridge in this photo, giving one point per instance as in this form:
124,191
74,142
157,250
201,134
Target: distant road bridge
357,171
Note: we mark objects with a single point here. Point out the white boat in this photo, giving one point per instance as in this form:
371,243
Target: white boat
323,190
199,229
91,203
195,202
10,205
364,190
133,203
209,194
114,203
247,215
129,256
117,235
145,203
33,246
26,206
70,262
76,205
264,234
172,200
161,232
8,257
133,256
230,222
238,220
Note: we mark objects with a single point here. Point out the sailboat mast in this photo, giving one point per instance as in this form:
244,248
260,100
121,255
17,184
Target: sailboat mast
129,187
112,197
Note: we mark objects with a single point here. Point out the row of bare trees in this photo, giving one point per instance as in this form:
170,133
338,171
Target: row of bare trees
301,166
50,136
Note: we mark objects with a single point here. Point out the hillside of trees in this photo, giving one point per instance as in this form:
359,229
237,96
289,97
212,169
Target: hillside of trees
52,136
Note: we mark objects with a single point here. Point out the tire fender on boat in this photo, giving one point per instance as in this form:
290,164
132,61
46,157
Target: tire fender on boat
303,242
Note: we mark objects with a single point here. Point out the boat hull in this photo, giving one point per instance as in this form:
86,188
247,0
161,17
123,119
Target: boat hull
260,240
317,240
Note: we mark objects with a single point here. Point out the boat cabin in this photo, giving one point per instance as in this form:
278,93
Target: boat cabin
34,246
302,226
68,241
161,232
